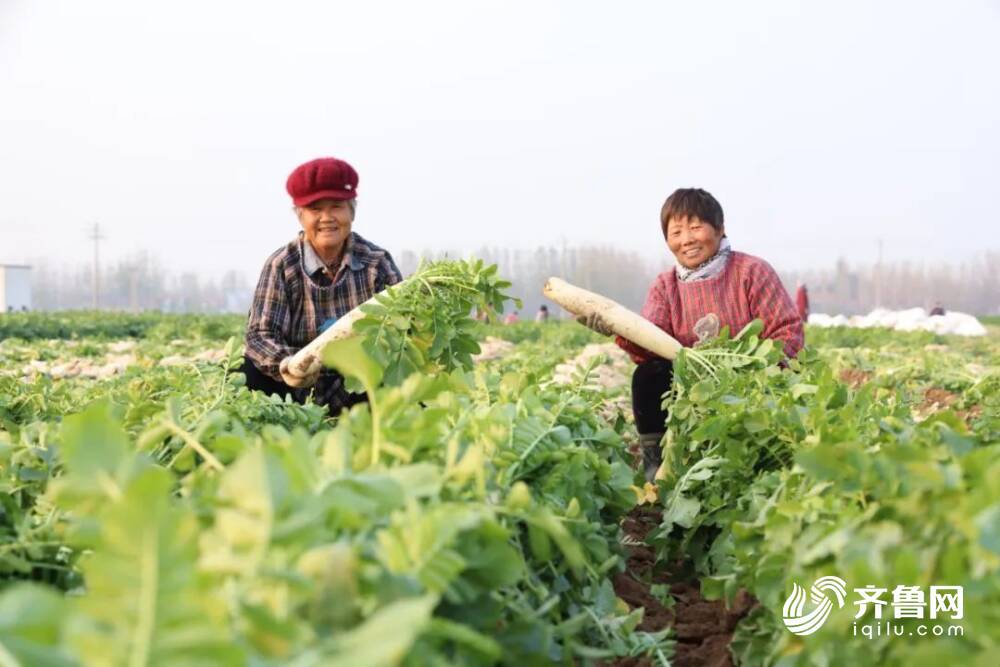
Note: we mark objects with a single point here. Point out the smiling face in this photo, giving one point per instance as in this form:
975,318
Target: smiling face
327,224
692,240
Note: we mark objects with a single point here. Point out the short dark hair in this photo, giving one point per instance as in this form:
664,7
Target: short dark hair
692,202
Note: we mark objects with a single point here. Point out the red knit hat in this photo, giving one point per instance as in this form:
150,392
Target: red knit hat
323,178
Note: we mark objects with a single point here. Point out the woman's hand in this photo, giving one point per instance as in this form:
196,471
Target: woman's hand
297,380
707,327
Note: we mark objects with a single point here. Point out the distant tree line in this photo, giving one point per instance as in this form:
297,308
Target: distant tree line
137,283
621,275
970,287
140,282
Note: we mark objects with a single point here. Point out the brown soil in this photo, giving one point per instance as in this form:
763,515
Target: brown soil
854,377
970,415
703,629
936,398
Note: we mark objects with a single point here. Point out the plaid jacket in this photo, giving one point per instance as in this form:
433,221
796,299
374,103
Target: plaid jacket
747,289
296,299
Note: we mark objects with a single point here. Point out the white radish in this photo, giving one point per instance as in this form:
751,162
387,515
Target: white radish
307,360
620,319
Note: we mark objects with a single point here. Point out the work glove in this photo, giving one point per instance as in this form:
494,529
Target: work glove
595,323
293,378
707,327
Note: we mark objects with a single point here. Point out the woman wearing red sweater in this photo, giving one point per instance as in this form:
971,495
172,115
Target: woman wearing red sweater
712,286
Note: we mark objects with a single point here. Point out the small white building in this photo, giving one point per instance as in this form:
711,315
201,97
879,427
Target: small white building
15,287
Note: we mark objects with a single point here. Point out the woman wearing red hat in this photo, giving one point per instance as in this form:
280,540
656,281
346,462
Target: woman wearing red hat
712,286
319,276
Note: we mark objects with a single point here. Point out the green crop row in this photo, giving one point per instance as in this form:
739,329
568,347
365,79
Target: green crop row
781,475
470,513
105,325
461,517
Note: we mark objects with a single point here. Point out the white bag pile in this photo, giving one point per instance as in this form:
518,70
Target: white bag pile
914,319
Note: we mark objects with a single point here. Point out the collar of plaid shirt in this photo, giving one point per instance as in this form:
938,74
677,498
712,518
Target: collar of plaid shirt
312,262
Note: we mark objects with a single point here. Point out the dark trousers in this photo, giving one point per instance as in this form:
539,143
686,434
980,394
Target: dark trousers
260,382
329,391
650,381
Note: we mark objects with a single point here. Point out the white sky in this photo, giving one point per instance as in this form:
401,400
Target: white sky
821,127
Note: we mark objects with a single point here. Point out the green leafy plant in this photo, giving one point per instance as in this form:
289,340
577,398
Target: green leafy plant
788,474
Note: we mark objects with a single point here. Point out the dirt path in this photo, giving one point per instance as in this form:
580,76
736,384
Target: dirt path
703,629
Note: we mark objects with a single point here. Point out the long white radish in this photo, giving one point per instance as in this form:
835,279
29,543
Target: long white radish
307,360
620,319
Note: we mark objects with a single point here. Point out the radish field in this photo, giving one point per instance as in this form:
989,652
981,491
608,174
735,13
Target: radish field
485,506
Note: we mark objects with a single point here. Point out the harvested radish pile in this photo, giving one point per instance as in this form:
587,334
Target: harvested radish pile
613,371
913,319
492,348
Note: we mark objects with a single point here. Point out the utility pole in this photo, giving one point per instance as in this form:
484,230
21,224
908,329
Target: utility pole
133,288
564,268
96,237
878,277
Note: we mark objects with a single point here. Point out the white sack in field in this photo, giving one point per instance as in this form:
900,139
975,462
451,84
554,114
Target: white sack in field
912,319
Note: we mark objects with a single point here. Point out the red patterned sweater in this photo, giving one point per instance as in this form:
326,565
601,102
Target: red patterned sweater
747,289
